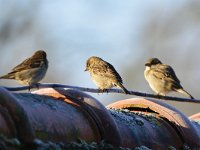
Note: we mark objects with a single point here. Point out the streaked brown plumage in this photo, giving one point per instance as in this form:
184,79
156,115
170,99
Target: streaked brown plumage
31,70
103,74
162,78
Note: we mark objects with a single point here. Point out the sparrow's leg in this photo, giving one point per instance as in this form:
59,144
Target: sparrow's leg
29,88
101,90
105,90
158,95
37,85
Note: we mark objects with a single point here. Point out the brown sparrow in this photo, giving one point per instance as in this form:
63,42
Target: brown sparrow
103,74
162,78
31,70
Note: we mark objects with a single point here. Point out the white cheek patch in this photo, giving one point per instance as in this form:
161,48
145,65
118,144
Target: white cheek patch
147,68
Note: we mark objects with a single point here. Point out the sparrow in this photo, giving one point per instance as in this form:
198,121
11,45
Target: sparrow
103,74
31,70
162,78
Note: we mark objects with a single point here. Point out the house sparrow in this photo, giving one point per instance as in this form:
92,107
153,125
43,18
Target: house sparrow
103,74
162,78
31,70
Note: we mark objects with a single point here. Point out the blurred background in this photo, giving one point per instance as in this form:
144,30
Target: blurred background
124,33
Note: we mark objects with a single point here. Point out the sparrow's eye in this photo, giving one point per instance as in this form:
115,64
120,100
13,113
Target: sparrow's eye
87,65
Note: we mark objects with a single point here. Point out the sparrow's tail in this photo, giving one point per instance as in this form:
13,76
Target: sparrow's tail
185,93
8,76
123,88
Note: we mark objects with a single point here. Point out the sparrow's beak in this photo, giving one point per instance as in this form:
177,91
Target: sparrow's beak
86,69
148,64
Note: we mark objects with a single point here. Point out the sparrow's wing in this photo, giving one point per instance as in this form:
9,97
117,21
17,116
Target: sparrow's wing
107,70
29,63
111,70
169,72
166,73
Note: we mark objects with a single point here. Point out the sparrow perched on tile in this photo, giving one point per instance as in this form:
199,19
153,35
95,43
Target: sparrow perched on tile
162,78
31,70
103,74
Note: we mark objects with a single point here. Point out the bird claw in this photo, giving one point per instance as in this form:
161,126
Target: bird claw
102,90
158,95
29,88
37,85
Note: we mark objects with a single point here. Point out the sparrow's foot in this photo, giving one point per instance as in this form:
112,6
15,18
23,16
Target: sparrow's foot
102,90
37,85
158,95
29,88
105,90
